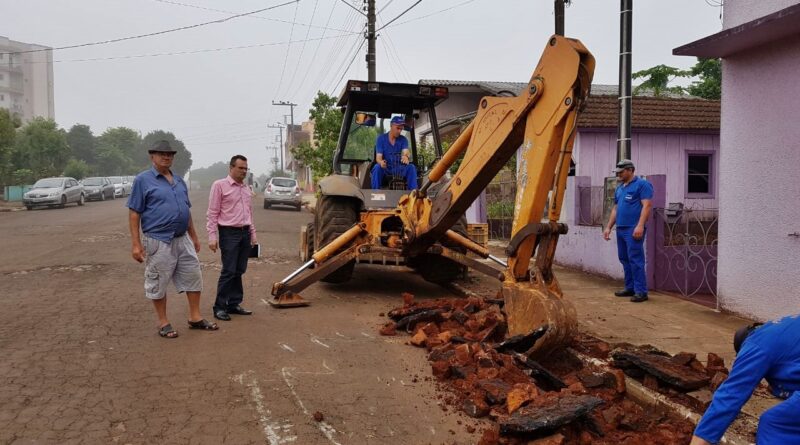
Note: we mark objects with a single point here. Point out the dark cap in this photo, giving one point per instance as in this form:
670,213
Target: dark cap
623,164
161,147
741,335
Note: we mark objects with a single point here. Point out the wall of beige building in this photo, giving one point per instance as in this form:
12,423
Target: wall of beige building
26,79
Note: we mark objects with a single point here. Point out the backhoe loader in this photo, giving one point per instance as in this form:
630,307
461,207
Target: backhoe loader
422,227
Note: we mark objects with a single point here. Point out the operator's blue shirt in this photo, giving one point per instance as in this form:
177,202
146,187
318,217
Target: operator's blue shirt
164,207
391,152
771,352
628,199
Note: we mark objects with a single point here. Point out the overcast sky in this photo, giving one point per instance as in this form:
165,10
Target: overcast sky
220,102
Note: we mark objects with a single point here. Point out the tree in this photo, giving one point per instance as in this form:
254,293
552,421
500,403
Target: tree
8,130
116,149
327,122
41,147
206,176
657,80
183,158
709,86
82,143
76,168
280,173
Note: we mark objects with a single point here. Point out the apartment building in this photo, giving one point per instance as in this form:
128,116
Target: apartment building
26,79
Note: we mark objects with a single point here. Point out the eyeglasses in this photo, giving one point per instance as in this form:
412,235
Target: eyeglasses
164,154
243,168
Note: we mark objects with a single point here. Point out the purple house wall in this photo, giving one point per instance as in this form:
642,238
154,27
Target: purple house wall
759,223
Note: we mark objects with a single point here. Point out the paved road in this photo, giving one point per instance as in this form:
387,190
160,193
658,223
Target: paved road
80,360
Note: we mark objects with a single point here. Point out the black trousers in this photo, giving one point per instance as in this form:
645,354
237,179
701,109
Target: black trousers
234,244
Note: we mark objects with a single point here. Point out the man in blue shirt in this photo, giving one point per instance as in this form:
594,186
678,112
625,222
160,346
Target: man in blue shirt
159,205
632,204
393,157
771,352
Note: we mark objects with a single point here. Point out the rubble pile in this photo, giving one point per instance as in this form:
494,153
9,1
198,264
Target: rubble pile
557,400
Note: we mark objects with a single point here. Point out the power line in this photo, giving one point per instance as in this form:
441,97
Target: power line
356,9
344,62
187,5
285,59
319,43
348,66
336,49
179,53
302,49
401,14
182,28
434,13
385,6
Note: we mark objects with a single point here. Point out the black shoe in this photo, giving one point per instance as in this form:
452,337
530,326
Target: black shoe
638,298
624,293
222,315
238,310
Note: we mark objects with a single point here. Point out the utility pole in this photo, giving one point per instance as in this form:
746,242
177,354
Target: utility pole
625,105
558,8
371,77
280,128
289,138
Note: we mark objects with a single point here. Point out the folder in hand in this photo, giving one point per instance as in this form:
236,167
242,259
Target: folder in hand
255,251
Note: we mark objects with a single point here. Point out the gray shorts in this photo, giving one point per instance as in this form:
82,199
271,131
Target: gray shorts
175,261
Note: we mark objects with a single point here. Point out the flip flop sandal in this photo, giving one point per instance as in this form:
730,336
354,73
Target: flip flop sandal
166,331
203,324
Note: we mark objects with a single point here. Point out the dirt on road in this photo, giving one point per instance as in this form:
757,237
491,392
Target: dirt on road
82,363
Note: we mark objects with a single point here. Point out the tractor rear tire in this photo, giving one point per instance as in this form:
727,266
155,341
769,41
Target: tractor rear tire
334,216
440,270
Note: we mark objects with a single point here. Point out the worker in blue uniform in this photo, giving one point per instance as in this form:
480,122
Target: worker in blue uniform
772,352
392,156
632,204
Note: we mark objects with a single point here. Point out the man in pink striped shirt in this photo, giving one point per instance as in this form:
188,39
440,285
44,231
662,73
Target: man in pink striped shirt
230,228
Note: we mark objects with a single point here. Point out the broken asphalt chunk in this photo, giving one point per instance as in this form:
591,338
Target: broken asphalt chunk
522,342
562,411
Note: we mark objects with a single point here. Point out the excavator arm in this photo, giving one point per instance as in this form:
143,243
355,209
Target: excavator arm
541,123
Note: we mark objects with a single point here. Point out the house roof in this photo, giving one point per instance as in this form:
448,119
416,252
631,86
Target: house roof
495,88
649,112
771,27
653,113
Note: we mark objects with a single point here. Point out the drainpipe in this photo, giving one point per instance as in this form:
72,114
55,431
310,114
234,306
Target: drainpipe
625,38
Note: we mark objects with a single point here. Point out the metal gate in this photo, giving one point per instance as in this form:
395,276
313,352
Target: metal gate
686,251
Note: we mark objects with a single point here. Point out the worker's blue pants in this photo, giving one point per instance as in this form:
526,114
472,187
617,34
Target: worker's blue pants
780,424
405,171
631,255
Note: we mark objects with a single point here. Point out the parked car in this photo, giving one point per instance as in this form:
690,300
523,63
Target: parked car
98,188
54,192
122,187
283,191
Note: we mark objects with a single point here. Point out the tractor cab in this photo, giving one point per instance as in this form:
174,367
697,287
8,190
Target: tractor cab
368,109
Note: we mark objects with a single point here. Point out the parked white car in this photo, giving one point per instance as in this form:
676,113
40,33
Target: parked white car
283,191
49,192
122,187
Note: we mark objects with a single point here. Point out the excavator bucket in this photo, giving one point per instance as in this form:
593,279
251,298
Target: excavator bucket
528,308
287,300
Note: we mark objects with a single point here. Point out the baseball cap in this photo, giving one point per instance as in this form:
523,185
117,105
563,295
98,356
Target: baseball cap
398,120
622,165
162,147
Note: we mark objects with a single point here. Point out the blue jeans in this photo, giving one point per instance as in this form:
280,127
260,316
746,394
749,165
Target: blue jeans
406,171
234,244
779,424
631,255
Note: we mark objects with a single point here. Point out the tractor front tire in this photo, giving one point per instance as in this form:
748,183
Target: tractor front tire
334,216
438,269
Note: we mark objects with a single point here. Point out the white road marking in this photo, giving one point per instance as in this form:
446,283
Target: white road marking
327,430
286,347
316,340
272,430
